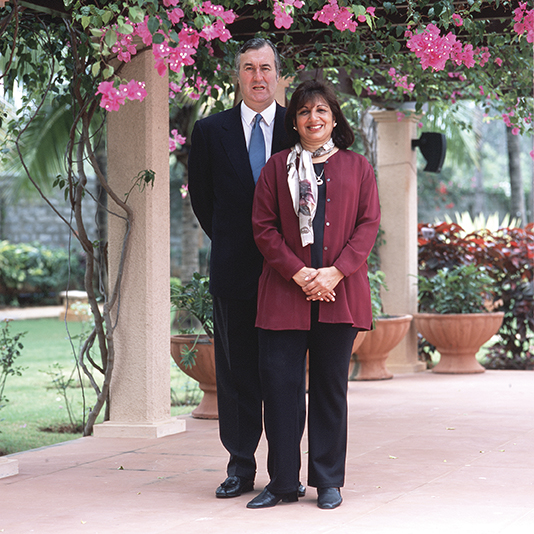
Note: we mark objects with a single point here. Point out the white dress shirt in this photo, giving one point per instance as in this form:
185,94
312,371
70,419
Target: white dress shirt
266,125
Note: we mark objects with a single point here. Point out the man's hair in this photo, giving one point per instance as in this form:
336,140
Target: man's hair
255,44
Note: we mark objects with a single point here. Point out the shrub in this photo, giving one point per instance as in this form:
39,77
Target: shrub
461,289
31,273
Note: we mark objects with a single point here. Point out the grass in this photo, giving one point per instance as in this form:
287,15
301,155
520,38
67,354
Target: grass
36,414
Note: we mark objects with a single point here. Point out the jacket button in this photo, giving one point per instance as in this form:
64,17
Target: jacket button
328,200
326,248
327,224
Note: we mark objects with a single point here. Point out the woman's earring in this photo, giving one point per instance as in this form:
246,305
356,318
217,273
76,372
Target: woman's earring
335,124
295,128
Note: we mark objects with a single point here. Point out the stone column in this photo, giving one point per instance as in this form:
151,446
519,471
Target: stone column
397,185
138,139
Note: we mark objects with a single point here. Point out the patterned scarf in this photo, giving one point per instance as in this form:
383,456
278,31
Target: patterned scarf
303,187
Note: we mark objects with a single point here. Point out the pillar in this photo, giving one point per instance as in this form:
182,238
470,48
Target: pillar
397,185
138,139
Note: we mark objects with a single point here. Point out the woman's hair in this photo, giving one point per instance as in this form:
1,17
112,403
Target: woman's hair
310,91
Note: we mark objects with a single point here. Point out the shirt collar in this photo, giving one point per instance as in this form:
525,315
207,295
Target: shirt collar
268,114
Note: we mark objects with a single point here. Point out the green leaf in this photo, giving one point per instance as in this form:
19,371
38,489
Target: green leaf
126,29
107,16
111,37
108,72
153,25
136,14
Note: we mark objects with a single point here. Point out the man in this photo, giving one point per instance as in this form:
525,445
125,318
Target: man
221,184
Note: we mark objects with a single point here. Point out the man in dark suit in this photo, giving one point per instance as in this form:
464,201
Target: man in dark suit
221,184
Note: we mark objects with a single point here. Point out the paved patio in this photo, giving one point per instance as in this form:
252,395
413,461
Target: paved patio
427,453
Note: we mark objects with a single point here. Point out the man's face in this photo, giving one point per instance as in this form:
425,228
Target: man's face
258,78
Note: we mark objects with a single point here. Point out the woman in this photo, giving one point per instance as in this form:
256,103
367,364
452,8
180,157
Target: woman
315,219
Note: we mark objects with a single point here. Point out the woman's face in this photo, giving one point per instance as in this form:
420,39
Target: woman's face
314,123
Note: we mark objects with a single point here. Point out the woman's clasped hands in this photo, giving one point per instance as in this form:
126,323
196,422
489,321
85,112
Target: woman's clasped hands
319,284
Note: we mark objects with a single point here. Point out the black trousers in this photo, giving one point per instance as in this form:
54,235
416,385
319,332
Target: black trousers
282,372
238,383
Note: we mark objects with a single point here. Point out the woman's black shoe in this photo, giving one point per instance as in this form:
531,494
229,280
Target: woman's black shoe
328,498
266,499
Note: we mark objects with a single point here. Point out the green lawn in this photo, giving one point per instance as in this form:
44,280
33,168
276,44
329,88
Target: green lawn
35,404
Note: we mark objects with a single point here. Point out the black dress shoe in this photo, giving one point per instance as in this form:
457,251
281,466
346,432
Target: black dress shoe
266,499
328,498
233,487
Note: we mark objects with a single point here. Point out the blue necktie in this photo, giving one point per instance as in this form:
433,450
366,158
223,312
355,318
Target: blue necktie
256,149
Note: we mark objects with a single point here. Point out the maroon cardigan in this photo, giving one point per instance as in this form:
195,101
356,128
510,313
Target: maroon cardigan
352,216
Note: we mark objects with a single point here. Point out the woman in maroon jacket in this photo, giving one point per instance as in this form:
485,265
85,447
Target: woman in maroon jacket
315,218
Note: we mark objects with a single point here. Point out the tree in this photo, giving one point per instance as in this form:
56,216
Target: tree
518,207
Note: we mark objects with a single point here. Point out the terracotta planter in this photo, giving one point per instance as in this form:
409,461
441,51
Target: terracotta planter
376,345
203,371
458,337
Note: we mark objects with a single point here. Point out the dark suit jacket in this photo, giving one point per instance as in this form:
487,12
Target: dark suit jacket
221,186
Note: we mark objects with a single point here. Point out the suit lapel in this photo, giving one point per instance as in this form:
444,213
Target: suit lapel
233,141
279,132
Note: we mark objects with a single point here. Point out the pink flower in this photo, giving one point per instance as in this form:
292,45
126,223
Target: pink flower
282,19
176,140
515,131
341,17
465,55
142,30
175,15
169,3
112,98
124,47
183,190
432,49
216,31
524,22
532,154
401,81
400,116
133,90
371,11
458,21
217,11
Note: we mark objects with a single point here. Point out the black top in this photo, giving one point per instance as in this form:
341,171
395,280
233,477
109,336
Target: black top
318,221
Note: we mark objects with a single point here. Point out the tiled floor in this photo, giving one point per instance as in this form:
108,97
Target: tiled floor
427,453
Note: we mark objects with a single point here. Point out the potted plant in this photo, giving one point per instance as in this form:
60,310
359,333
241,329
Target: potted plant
372,348
456,315
192,351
